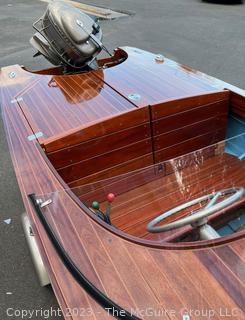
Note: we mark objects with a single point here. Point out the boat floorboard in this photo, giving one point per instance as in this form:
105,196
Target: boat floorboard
133,210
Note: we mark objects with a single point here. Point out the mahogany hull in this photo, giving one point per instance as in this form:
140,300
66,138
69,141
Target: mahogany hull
139,275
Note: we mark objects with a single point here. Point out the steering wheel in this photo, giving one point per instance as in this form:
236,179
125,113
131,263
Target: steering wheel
197,218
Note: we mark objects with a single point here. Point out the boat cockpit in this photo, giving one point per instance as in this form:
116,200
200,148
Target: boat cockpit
195,197
150,148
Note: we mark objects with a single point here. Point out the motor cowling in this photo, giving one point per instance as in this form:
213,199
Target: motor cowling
68,37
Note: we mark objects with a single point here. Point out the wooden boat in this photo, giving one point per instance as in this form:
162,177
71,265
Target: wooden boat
110,163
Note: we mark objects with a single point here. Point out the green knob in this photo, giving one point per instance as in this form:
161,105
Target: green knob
95,205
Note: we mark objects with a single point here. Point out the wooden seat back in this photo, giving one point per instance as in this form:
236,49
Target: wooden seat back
184,125
105,149
137,139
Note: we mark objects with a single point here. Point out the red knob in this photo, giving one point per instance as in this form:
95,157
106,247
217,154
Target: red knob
110,197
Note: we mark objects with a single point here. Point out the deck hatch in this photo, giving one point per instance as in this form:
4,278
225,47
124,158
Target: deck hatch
57,104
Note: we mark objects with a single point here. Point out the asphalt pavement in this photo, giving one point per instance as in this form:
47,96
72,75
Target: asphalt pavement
208,37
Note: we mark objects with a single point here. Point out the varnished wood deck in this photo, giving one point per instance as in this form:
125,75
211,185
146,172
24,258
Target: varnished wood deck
134,275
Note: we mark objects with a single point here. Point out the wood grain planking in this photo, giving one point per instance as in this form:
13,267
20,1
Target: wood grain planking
66,243
78,153
230,257
105,161
182,119
238,104
154,202
224,276
27,155
207,286
190,145
107,100
98,146
94,259
97,129
181,283
119,186
61,224
163,293
130,273
65,104
34,174
155,208
239,248
133,179
135,81
185,176
153,81
176,106
85,184
189,132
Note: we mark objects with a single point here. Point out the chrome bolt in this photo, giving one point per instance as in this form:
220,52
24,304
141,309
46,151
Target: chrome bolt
159,58
12,75
134,96
79,23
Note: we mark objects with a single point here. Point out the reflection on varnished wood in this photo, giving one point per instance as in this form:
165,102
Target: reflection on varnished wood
55,105
134,273
80,89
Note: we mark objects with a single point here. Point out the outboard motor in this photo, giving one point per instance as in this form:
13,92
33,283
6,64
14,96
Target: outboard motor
67,37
